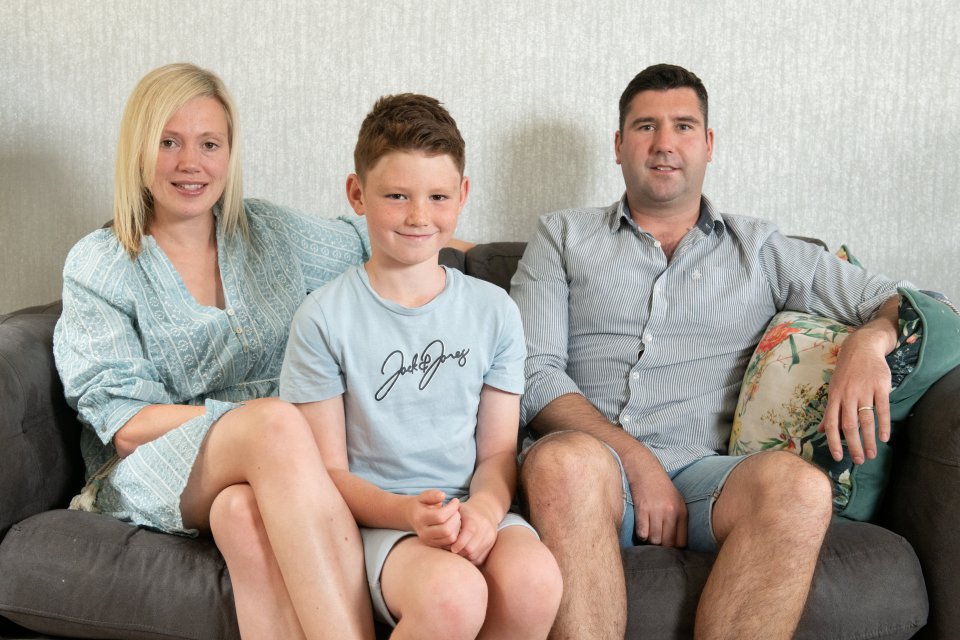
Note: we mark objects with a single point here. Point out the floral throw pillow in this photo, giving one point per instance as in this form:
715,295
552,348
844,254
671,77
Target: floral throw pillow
784,394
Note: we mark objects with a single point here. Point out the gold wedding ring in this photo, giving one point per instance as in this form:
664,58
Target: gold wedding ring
864,409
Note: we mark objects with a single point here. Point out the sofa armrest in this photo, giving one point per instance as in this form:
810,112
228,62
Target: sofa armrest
41,465
921,502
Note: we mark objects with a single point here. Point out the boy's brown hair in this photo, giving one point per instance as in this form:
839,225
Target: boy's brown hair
407,122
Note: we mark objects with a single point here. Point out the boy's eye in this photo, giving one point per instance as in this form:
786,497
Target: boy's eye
438,197
396,196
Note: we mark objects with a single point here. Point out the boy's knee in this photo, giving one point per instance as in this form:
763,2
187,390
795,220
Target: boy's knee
532,589
449,603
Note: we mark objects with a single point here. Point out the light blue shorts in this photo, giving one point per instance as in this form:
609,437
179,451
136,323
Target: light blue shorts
377,545
699,483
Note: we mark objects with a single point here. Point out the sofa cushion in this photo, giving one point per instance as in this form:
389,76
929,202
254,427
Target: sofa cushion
87,575
867,585
39,433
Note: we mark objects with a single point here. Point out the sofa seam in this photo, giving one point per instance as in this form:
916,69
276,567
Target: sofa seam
95,625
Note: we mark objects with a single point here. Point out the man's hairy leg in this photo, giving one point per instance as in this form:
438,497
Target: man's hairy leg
770,520
574,494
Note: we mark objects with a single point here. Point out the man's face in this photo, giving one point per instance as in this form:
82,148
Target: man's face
664,150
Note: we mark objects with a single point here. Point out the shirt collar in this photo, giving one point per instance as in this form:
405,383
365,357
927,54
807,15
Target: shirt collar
709,220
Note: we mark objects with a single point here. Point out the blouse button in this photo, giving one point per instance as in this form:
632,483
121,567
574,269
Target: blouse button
231,312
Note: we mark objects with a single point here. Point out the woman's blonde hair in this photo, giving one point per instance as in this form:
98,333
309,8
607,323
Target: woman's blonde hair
151,105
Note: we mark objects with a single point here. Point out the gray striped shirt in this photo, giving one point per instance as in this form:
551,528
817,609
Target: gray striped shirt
660,348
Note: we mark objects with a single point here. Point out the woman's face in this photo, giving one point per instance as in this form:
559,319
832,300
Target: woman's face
191,162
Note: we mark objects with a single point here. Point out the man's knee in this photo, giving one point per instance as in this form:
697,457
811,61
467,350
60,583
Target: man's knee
571,471
792,486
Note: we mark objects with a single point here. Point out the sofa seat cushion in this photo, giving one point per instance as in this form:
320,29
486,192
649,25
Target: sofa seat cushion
86,575
867,585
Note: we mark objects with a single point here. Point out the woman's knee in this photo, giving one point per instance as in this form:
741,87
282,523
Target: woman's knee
235,522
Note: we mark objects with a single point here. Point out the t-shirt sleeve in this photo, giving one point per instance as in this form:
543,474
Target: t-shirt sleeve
506,371
311,371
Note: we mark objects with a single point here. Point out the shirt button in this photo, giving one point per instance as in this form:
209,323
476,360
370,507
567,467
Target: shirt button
626,418
635,375
647,338
656,243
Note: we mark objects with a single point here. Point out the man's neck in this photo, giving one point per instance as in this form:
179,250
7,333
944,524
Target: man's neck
668,225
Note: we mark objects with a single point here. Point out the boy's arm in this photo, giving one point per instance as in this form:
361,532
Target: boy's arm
495,477
436,524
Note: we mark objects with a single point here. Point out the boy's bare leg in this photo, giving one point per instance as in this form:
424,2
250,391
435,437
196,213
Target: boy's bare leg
523,586
433,593
264,609
574,495
770,520
268,445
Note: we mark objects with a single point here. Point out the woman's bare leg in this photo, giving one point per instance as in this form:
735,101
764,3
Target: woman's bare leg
264,609
268,445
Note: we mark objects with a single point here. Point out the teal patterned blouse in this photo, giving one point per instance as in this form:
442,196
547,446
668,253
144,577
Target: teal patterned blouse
131,335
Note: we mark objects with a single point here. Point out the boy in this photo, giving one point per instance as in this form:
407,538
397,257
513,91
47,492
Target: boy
410,376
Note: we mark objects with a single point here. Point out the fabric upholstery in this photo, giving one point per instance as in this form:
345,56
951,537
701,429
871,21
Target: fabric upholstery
65,571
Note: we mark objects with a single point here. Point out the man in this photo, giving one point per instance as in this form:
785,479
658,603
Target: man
640,319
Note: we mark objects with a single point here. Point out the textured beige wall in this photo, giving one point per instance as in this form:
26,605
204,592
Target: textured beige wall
837,119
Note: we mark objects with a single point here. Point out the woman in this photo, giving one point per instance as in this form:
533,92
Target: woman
170,345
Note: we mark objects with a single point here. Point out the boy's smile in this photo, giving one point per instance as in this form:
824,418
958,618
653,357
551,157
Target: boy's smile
411,201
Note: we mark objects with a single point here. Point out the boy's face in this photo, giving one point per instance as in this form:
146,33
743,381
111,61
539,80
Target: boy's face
411,201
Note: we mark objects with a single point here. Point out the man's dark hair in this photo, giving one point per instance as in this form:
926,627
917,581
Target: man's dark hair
661,77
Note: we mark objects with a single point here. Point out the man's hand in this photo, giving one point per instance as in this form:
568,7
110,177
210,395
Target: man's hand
661,514
478,531
435,523
858,398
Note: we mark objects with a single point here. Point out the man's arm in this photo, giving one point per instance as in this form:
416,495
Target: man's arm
861,379
661,515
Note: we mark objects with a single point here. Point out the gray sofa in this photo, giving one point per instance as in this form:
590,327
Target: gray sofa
73,574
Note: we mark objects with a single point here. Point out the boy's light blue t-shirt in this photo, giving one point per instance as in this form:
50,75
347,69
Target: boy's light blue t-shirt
410,378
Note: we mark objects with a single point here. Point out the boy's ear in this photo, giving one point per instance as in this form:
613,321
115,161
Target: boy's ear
464,189
355,194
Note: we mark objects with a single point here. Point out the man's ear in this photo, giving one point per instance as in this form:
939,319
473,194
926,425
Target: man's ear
355,194
616,145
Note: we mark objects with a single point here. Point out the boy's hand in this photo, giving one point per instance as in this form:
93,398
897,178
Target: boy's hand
478,531
436,524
